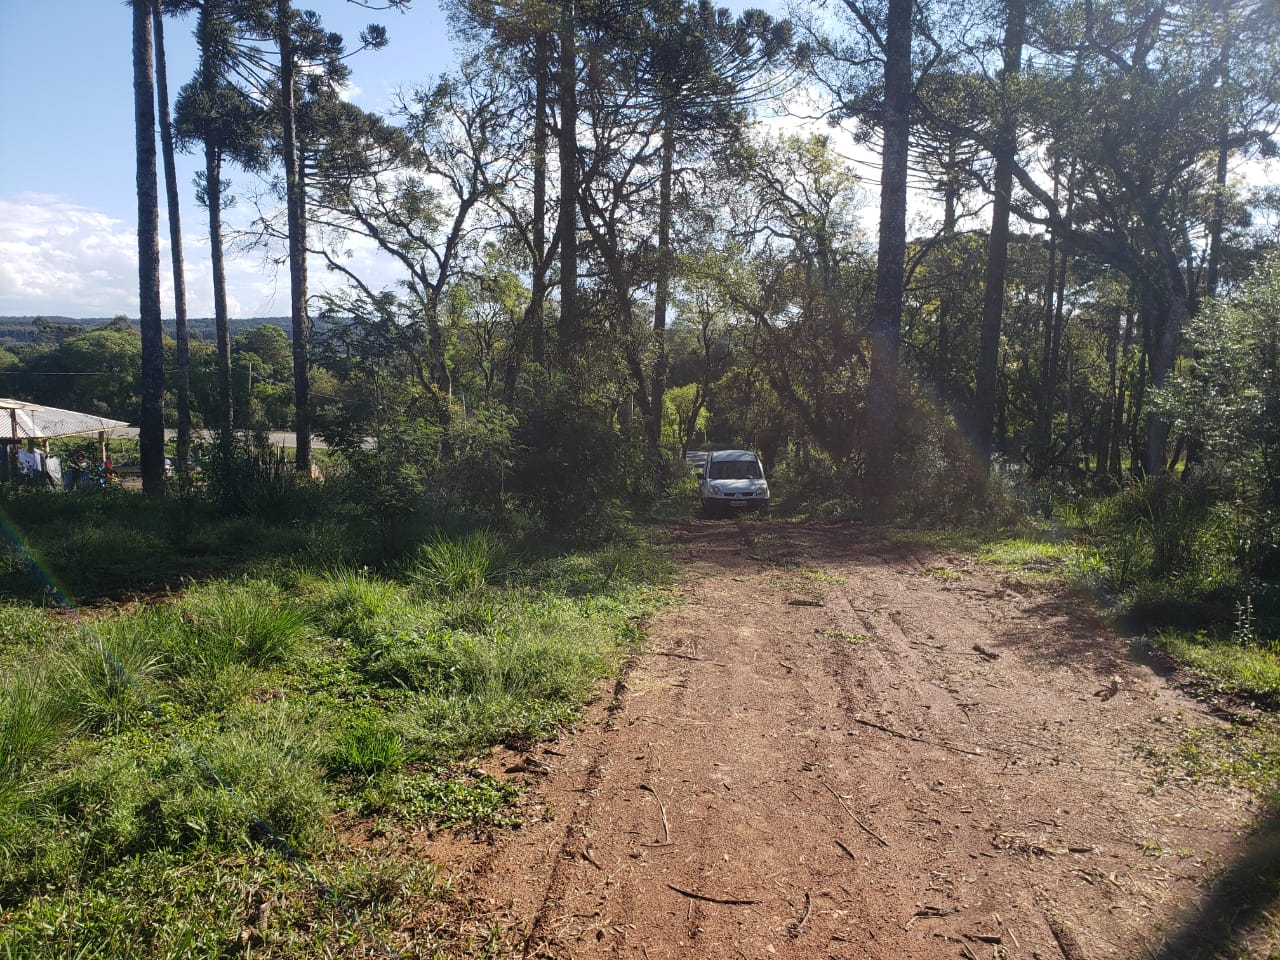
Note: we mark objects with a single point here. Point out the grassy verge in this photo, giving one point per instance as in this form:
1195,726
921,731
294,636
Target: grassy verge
1226,665
201,774
1236,660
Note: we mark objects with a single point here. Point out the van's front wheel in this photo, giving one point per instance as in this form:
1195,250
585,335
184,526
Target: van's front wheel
711,509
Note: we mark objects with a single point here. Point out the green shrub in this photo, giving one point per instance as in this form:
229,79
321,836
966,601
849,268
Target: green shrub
574,469
258,481
452,565
240,623
367,748
106,678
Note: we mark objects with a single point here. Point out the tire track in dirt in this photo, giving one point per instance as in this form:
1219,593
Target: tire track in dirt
835,746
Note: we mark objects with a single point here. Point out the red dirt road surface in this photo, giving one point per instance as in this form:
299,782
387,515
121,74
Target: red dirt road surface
836,745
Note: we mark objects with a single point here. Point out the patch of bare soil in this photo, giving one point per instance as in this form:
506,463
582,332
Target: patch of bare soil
840,746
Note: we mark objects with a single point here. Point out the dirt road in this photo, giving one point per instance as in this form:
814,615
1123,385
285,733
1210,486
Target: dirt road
839,746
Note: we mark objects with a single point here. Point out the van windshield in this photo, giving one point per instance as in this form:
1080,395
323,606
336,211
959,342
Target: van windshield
734,470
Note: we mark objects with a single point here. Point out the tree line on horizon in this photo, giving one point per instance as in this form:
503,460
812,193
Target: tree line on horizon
594,221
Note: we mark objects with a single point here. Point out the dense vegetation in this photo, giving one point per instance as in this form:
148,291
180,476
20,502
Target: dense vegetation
164,759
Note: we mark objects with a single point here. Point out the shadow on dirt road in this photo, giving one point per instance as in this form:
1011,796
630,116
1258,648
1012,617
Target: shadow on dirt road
838,745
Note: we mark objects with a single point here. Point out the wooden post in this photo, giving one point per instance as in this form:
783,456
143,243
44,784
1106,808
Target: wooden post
11,448
102,446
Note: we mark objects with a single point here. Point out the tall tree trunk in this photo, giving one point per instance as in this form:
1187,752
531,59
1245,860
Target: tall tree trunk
538,291
998,246
1114,464
886,324
222,330
1002,408
151,423
1106,422
1055,321
1216,222
658,385
570,322
946,304
1139,393
1057,326
1218,217
1164,348
183,346
533,325
1071,400
295,191
207,39
1040,436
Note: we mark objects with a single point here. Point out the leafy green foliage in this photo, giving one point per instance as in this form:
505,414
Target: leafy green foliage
479,802
575,471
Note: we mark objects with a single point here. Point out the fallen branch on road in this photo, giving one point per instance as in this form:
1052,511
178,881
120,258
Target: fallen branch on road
702,896
804,917
914,739
840,800
666,830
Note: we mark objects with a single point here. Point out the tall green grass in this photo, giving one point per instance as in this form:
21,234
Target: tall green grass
453,564
161,757
1247,669
107,676
32,720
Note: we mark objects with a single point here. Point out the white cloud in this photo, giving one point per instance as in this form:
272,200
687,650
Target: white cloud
61,258
58,257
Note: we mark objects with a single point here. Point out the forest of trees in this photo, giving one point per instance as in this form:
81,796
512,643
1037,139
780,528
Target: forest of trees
895,246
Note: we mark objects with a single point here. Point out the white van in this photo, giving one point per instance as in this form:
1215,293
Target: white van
730,481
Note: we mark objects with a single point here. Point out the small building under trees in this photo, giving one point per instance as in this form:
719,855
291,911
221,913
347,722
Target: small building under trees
28,428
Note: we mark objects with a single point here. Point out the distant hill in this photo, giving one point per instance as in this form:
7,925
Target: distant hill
22,329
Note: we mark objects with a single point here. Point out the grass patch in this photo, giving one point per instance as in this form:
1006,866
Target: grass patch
857,639
452,565
944,573
1245,756
367,748
170,904
162,760
821,576
1226,665
1034,558
1028,555
439,800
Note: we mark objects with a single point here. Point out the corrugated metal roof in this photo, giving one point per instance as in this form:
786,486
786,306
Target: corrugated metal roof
20,420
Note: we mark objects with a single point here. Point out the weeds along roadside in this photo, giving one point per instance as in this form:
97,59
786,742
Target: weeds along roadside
187,773
1189,578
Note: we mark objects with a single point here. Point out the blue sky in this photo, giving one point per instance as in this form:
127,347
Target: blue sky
67,200
68,206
